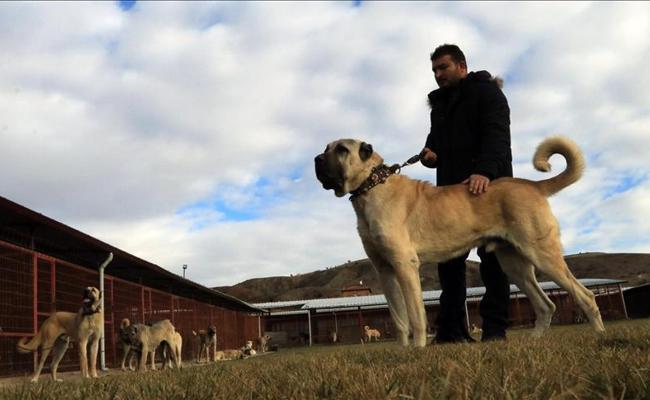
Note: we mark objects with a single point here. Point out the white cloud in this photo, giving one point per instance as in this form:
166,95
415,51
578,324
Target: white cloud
126,124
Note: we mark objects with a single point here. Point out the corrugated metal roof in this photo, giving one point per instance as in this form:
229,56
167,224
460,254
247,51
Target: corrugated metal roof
281,304
429,297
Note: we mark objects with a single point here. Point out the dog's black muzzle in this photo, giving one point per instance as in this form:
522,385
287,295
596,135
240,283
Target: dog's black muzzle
328,181
88,295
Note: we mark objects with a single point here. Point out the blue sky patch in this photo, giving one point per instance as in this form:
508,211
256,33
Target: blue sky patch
626,183
126,5
234,204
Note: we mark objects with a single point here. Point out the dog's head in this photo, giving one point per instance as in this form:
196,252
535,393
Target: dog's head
345,165
365,328
130,334
212,331
92,300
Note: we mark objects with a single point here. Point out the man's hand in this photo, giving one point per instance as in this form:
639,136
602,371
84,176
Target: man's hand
477,183
428,158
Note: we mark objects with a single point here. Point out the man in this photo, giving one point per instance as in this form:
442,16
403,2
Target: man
469,143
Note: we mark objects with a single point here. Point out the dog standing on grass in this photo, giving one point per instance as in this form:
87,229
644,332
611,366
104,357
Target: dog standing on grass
207,343
262,343
370,333
84,327
150,337
404,222
130,353
175,347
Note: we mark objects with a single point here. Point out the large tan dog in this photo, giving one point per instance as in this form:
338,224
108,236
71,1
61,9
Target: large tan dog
404,222
150,337
60,328
207,343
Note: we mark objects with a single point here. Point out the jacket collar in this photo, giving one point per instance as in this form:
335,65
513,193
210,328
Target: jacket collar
456,93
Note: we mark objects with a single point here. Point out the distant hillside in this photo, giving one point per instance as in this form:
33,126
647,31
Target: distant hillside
634,268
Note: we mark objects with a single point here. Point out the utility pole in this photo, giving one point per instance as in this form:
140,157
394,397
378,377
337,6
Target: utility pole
184,268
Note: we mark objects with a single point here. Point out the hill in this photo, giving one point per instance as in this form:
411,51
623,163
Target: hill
633,268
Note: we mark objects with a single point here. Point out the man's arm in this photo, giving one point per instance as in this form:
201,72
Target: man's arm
428,155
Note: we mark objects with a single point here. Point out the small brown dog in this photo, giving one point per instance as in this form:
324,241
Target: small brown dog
370,333
207,343
262,343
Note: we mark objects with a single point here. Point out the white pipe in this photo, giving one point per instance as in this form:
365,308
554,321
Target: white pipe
620,291
309,322
102,344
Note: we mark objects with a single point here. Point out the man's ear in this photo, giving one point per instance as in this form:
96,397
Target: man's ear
365,151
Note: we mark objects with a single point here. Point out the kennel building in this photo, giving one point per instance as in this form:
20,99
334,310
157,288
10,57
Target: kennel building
305,322
45,265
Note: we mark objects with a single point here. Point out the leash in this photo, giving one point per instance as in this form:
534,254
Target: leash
396,168
379,175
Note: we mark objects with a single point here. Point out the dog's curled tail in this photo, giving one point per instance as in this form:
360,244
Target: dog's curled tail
575,163
25,346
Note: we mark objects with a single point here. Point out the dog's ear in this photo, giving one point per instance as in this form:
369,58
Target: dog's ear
365,151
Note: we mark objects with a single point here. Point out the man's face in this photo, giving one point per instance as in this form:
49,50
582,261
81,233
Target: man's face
447,72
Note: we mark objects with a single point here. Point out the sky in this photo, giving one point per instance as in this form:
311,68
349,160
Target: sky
184,133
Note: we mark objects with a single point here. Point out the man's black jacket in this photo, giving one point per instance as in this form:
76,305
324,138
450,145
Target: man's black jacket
470,130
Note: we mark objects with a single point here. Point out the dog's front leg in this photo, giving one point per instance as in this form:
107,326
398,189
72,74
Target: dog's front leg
394,296
83,356
126,350
94,348
153,360
143,359
406,265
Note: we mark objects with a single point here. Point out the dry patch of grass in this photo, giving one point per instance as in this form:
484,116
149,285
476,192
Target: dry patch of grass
569,362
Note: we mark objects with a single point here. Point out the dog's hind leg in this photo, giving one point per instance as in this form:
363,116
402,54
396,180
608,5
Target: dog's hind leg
58,352
547,256
521,272
46,349
394,297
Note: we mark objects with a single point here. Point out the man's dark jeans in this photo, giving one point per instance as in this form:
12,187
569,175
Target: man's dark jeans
451,322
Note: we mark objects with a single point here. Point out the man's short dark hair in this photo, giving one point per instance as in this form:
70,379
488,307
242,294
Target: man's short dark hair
449,49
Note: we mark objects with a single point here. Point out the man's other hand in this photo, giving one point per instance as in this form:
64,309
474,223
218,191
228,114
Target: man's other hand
477,183
428,158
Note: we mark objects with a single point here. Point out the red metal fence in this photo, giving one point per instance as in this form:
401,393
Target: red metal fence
34,285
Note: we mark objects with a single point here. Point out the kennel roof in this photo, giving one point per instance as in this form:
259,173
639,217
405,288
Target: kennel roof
31,230
429,297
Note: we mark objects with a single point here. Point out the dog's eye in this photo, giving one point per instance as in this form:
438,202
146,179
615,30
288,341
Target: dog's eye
340,149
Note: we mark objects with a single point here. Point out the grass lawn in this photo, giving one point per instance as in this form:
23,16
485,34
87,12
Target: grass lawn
568,362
